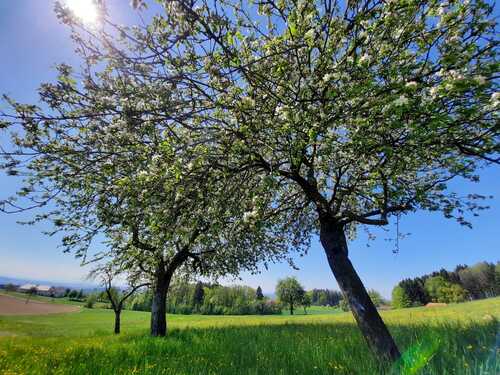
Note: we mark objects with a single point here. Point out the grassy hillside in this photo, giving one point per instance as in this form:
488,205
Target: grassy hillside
457,339
35,297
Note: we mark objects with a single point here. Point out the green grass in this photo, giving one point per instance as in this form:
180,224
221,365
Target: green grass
457,339
313,310
56,300
24,296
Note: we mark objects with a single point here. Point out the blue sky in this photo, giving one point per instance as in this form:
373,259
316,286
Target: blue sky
32,41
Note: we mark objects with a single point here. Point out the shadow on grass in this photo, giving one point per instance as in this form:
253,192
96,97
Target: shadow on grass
290,348
329,348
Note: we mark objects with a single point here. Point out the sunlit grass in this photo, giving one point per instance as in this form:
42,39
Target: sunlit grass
458,339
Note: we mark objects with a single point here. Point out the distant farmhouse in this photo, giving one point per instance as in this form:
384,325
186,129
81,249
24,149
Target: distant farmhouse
42,290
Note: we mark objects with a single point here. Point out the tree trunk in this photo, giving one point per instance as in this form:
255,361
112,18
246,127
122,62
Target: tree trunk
372,327
159,307
117,321
291,309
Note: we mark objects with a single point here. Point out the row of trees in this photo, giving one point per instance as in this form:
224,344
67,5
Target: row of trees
292,294
325,297
217,137
78,295
219,300
214,299
481,280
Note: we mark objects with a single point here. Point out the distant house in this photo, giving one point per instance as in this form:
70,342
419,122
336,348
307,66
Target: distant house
27,287
58,291
42,290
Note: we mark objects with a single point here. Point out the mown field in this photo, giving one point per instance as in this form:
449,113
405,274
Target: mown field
457,339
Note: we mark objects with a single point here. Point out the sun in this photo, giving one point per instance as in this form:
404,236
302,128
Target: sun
85,10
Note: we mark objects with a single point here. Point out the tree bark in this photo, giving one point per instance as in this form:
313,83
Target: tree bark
291,309
372,327
159,306
117,321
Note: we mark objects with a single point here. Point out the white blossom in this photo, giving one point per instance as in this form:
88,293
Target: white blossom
282,112
327,77
480,79
249,216
434,91
411,85
402,100
365,59
495,99
309,35
248,101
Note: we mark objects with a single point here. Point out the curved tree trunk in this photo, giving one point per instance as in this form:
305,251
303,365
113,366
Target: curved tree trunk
117,321
376,334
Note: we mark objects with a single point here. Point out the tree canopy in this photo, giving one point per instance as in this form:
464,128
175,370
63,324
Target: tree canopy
253,126
290,293
464,282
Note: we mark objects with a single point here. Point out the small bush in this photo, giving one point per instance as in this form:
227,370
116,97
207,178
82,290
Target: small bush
90,301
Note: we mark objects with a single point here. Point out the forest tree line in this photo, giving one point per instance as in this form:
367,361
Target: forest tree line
215,299
479,281
211,299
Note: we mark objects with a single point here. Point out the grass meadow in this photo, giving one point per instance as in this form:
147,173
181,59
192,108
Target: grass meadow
456,339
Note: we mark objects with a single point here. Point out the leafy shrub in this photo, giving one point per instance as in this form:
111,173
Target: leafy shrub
399,298
90,301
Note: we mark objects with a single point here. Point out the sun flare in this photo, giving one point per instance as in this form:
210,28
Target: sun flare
85,10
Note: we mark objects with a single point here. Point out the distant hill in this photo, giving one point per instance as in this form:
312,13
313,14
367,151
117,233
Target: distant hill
71,285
